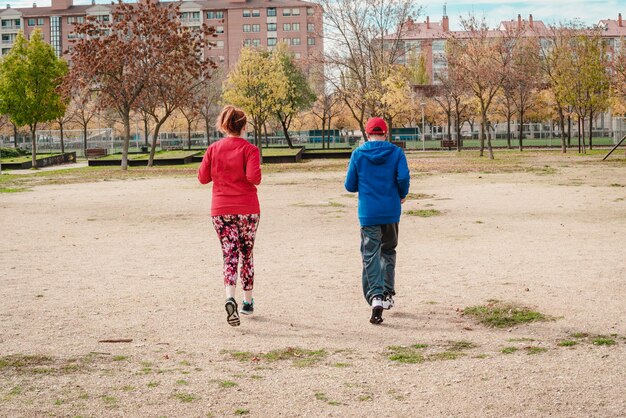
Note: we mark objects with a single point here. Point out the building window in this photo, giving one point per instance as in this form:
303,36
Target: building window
219,29
287,41
271,27
271,11
309,11
286,12
256,13
256,27
287,27
247,42
219,44
310,27
75,19
295,12
31,22
295,41
102,18
246,28
271,41
310,41
297,55
256,42
295,27
246,12
55,34
215,15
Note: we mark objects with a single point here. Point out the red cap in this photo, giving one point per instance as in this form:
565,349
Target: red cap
376,126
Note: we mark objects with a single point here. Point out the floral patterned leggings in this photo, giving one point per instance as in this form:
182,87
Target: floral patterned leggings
237,233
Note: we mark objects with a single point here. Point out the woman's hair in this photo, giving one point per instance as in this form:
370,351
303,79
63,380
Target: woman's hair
231,120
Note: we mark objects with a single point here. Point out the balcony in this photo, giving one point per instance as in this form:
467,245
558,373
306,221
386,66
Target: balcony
10,28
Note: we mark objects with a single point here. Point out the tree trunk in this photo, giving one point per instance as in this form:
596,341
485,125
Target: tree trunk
562,128
146,132
286,132
389,127
323,130
33,137
583,136
155,135
481,134
207,127
590,129
508,131
521,130
267,140
489,147
579,147
85,140
15,136
449,126
569,131
62,142
126,143
329,130
189,135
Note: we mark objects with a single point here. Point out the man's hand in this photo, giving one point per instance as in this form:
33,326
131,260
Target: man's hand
402,201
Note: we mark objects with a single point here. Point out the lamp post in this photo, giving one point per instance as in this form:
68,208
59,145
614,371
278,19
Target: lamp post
423,125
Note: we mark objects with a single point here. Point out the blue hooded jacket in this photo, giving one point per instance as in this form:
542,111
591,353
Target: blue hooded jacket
379,172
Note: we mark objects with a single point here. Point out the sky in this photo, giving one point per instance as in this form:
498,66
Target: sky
550,11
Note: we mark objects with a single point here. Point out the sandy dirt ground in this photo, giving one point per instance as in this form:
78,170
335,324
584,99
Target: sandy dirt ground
139,259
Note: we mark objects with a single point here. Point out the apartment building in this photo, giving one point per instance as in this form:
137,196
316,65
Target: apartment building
238,23
429,38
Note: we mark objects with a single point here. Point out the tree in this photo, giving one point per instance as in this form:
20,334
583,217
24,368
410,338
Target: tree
555,58
482,59
30,75
298,95
84,109
121,68
417,68
367,38
62,120
256,85
327,106
191,114
525,80
208,98
393,97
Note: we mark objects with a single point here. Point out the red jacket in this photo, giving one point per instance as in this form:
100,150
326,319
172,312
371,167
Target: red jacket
233,164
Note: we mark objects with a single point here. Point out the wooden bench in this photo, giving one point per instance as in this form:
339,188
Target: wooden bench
93,153
172,148
446,143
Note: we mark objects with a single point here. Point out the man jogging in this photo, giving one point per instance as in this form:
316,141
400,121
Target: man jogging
378,171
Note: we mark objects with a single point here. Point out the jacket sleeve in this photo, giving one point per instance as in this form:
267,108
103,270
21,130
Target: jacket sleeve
253,166
352,178
403,176
204,172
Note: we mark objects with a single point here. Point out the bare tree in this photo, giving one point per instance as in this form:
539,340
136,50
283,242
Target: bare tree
367,40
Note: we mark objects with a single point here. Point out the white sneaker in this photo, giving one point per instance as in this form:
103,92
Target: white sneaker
388,302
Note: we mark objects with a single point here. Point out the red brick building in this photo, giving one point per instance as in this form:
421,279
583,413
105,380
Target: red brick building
429,38
261,23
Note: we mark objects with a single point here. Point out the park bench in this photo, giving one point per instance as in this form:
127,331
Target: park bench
172,147
401,144
446,143
93,153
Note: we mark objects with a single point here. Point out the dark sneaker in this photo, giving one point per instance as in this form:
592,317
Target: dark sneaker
388,302
247,308
232,317
377,315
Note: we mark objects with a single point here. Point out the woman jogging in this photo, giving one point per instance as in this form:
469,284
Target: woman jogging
233,165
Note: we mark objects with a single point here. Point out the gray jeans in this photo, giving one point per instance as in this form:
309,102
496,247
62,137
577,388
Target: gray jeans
378,249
